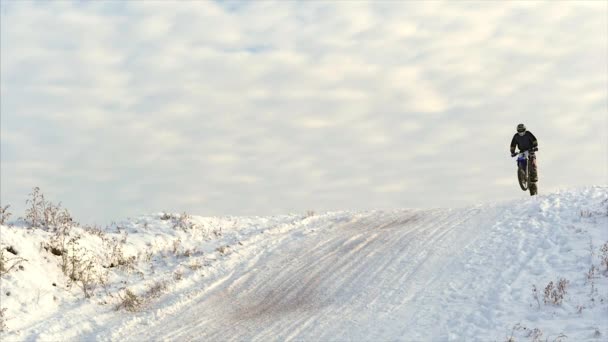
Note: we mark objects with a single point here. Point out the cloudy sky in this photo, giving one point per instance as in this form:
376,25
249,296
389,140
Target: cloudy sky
118,109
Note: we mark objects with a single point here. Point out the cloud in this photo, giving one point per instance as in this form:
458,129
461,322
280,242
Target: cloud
272,107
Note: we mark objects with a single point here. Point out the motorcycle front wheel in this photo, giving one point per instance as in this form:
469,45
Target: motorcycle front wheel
521,177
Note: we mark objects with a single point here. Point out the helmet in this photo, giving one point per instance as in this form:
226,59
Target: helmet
521,128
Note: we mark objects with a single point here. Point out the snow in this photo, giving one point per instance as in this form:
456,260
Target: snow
436,274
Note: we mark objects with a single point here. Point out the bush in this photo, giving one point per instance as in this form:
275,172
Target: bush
555,294
45,214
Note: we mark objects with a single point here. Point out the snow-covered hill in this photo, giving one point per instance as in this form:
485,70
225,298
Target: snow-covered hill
476,273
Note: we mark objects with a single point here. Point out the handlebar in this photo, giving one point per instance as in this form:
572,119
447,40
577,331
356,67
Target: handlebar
533,149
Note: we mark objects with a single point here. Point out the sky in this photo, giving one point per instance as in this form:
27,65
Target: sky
119,109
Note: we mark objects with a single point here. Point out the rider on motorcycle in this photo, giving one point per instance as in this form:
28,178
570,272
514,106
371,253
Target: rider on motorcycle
525,140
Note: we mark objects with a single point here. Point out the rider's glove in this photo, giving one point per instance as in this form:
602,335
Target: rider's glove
513,154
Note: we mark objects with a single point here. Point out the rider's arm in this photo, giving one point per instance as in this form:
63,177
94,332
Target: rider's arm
513,144
533,138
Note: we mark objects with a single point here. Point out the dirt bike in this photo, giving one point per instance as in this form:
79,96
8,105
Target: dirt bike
523,174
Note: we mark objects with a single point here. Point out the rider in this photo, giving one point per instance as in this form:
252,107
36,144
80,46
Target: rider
525,140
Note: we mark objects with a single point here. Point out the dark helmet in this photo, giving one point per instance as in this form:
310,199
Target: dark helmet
521,128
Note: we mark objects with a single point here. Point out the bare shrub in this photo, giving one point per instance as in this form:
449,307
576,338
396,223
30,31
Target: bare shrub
157,289
36,203
586,213
591,273
7,264
86,277
560,338
555,294
178,275
183,222
80,267
102,279
59,244
195,265
76,262
223,250
3,319
189,252
115,256
535,295
129,301
534,334
4,214
148,256
516,327
604,255
41,213
95,230
176,244
59,247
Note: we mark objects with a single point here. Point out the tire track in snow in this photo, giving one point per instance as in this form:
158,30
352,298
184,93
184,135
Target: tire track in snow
300,288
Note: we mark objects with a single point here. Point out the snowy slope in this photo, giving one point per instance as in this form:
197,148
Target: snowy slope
437,274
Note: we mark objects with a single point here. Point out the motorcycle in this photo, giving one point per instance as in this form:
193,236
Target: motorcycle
523,174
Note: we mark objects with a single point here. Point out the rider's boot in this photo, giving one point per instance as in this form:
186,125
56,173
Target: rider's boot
533,189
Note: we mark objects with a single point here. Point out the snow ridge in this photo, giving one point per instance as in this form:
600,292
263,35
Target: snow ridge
436,274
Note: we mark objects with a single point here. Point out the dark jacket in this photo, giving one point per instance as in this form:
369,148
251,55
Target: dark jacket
525,142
